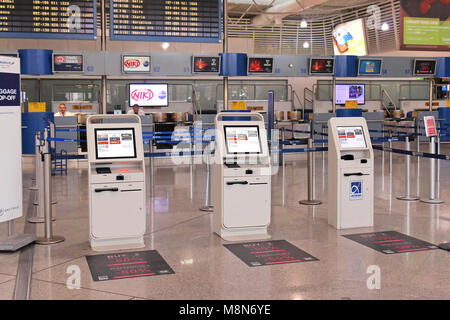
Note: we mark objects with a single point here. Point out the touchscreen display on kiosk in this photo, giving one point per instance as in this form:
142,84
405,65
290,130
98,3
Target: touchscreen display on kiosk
242,139
351,137
115,143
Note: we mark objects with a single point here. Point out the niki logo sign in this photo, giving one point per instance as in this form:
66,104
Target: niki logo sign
136,64
132,63
139,95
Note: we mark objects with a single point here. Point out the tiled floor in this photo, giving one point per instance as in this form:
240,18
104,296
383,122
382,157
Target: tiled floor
204,269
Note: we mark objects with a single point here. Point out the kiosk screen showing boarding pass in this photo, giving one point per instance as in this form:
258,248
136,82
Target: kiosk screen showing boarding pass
242,139
115,143
351,137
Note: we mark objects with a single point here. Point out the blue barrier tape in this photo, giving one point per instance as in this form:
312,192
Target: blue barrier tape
65,140
70,130
303,150
414,153
175,136
294,142
169,133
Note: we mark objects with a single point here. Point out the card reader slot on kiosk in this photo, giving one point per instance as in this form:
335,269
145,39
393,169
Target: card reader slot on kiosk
242,177
350,174
116,181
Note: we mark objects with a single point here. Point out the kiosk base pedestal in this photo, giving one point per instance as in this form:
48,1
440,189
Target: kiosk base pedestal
234,236
117,244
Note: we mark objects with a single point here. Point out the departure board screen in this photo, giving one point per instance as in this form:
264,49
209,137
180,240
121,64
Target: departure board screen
165,20
48,19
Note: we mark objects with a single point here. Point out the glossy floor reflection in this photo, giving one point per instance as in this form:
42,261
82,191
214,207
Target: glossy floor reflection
204,269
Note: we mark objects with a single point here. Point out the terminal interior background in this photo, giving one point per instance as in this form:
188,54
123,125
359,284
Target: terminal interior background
183,234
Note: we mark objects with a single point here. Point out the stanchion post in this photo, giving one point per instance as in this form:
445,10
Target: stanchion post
438,165
310,165
408,196
283,164
432,199
39,202
208,207
152,181
49,238
191,163
36,162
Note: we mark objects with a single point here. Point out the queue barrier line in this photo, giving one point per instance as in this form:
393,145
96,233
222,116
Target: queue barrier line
70,130
414,153
157,137
65,140
301,150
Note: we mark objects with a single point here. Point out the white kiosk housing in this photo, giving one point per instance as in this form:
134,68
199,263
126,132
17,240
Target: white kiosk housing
116,182
242,177
350,173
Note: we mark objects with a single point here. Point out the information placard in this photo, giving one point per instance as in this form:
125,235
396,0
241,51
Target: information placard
48,19
165,20
390,242
266,253
125,265
430,126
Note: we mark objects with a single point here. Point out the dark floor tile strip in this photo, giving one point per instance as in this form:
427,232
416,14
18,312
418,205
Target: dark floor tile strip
25,266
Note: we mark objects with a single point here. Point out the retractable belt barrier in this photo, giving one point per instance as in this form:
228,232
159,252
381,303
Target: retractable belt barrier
158,137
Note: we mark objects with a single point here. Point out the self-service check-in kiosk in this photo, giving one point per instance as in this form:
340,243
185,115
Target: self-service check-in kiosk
350,173
242,177
116,182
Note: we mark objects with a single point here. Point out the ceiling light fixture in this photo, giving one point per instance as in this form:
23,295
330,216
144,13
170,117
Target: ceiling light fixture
165,45
303,24
385,27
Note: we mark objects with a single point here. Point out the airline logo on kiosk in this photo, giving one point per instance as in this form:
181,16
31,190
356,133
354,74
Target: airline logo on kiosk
142,95
356,190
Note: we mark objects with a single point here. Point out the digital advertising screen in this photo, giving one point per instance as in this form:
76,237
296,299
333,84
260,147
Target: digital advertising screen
115,143
368,67
351,137
149,94
425,25
424,67
138,64
346,92
205,64
260,65
349,38
321,66
68,63
242,139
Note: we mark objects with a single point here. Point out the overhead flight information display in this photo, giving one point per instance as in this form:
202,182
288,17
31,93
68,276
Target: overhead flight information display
165,20
48,19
